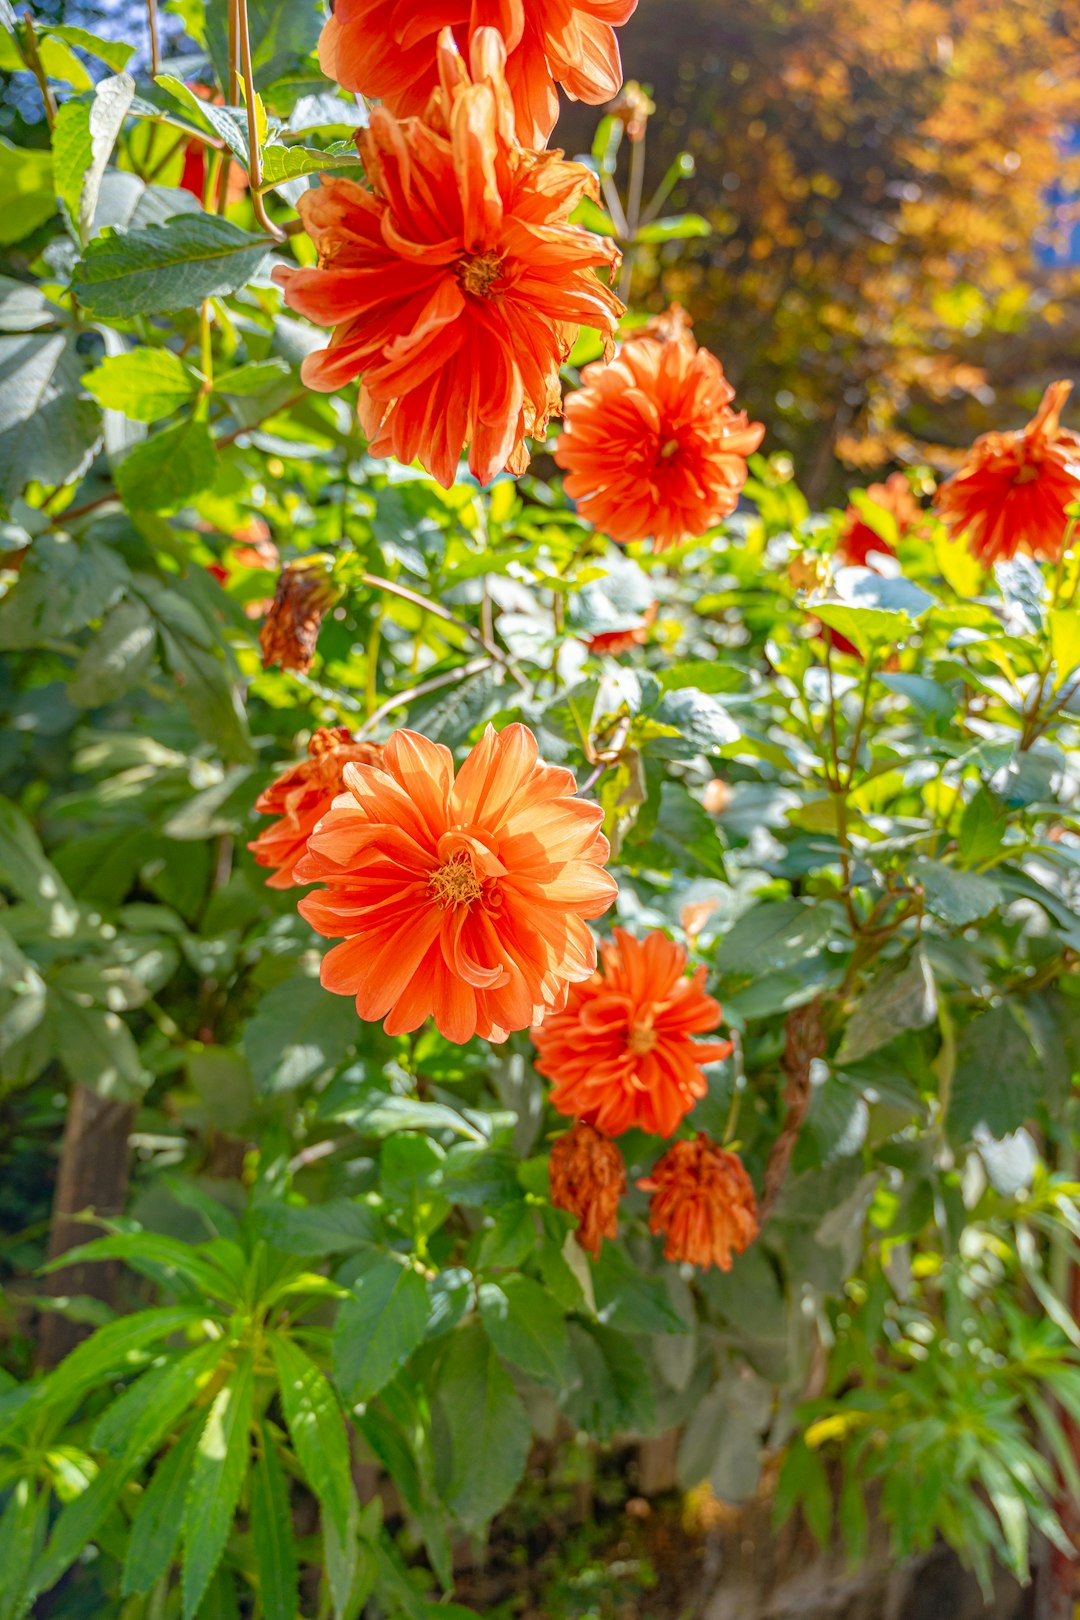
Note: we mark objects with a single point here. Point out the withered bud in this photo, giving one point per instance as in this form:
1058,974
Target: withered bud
809,571
588,1178
633,108
305,594
672,325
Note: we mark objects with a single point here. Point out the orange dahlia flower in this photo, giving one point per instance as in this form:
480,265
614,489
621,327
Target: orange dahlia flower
386,48
1011,492
620,1054
610,643
650,443
703,1202
858,540
463,898
456,285
300,795
588,1178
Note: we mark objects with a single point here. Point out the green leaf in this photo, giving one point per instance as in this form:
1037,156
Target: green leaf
159,1517
46,431
28,872
957,897
113,52
298,1032
117,658
168,1261
771,936
901,997
282,163
675,228
220,1466
251,378
998,1077
166,267
27,198
83,138
982,828
316,1428
206,115
526,1326
137,1420
616,1390
143,384
378,1330
339,1226
627,1298
98,1050
866,628
168,469
106,1352
484,1429
1064,627
272,1533
189,648
22,1530
722,1441
703,725
62,586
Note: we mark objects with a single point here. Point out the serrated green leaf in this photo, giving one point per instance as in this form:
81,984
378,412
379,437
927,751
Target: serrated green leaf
159,1517
117,658
281,163
143,384
84,135
168,469
98,1050
222,120
485,1429
527,1327
114,53
217,1475
47,432
378,1330
298,1032
867,628
251,378
272,1533
316,1428
166,267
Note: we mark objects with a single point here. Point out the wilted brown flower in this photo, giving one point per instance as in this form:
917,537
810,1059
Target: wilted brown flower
305,594
588,1178
703,1202
633,108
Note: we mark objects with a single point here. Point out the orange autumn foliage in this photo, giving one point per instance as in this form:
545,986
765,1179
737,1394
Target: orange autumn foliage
301,795
588,1178
456,285
462,897
650,445
386,48
621,1054
702,1203
1011,492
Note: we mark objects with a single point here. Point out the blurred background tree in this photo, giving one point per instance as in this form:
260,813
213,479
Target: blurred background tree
889,185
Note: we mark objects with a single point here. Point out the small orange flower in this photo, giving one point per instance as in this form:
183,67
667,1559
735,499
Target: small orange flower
650,443
610,643
703,1202
463,898
858,540
588,1178
621,1053
386,48
456,285
304,596
1011,493
301,795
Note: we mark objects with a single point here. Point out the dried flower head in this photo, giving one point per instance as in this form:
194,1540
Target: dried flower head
702,1202
301,795
588,1178
304,596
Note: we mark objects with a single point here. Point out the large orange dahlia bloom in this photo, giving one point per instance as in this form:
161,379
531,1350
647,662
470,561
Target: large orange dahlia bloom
650,443
456,285
588,1178
703,1202
1011,492
386,48
620,1054
301,795
462,898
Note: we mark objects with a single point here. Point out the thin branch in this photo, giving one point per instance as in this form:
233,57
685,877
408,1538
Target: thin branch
422,688
803,1042
155,44
482,637
32,58
243,37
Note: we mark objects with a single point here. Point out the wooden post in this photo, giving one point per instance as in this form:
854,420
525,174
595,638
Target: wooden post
92,1177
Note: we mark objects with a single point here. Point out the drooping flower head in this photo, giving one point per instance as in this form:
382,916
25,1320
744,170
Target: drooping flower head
858,541
386,48
588,1178
301,795
702,1202
621,1053
1011,492
650,443
610,643
455,286
460,897
304,596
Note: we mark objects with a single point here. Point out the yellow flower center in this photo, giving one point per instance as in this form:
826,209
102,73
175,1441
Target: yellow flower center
641,1039
455,883
477,274
669,449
